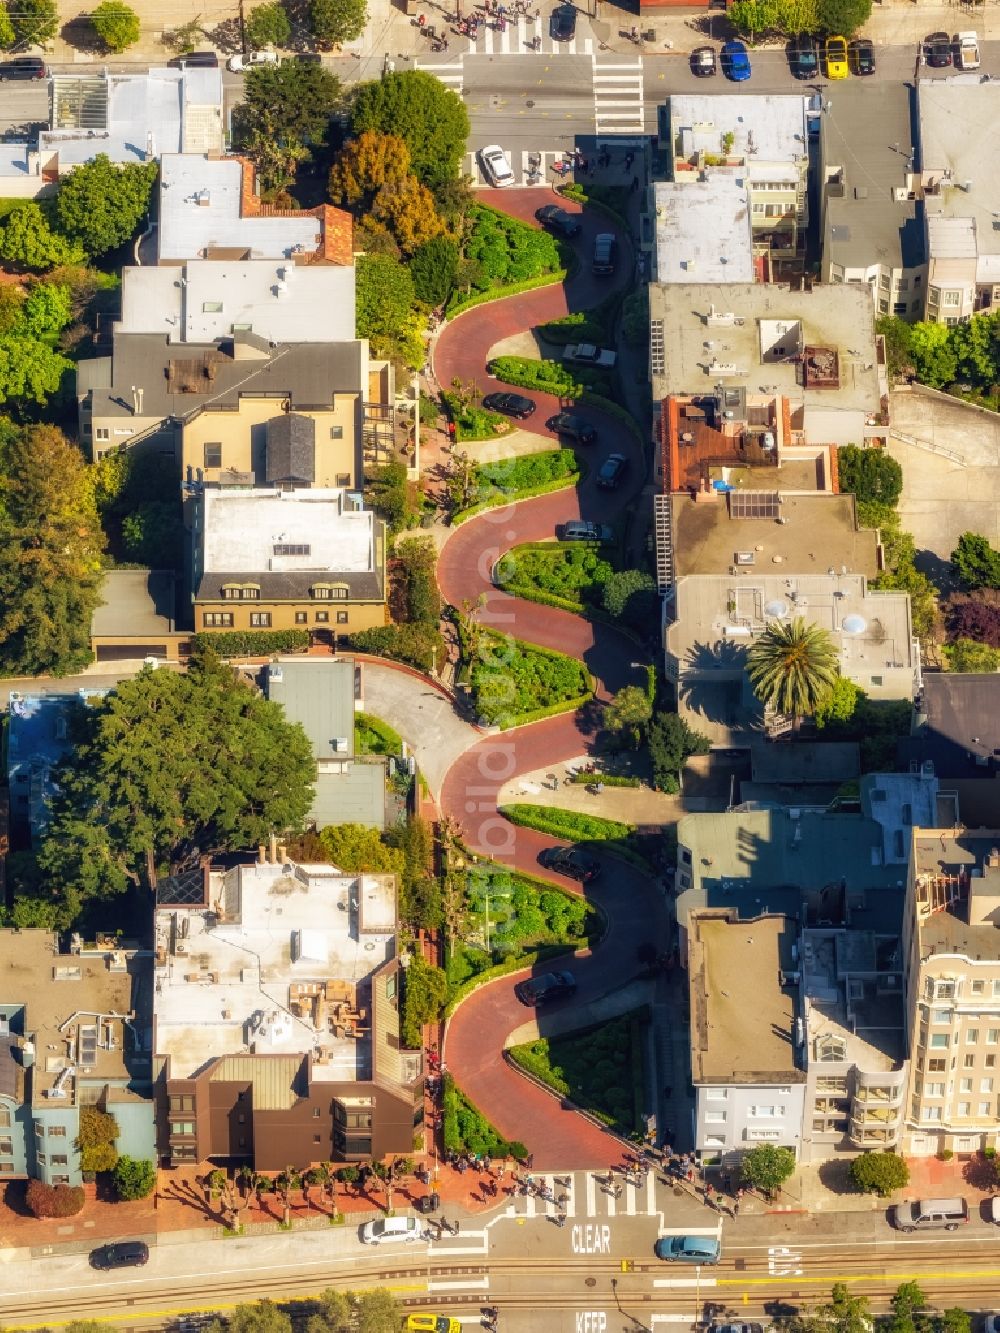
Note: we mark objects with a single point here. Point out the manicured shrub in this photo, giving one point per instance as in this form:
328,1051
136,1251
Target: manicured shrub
574,573
134,1178
53,1200
511,680
414,644
254,642
570,824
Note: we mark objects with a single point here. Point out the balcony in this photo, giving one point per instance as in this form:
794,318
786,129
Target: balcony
881,1096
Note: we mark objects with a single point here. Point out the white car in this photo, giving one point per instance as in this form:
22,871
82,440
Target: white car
496,165
586,354
239,64
385,1230
966,46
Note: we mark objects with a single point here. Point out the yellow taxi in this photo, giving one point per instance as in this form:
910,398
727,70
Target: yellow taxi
835,52
433,1323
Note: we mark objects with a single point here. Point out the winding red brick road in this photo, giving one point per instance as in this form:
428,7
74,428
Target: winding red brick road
634,910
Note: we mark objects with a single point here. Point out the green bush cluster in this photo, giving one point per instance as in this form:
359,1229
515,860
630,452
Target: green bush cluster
600,1069
416,567
424,993
573,825
466,1129
373,736
474,422
501,250
510,479
571,573
555,377
511,680
963,359
413,644
252,642
608,779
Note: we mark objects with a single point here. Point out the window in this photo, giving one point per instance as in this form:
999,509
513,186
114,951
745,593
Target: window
951,321
213,453
996,990
343,479
970,1062
182,1102
933,1113
336,432
965,1085
329,592
301,617
883,307
241,1119
899,307
983,1108
990,1062
876,680
883,281
317,1138
939,1040
182,1127
985,1085
322,617
768,1112
183,1152
59,1131
316,1113
715,1116
934,1090
102,433
940,990
217,619
992,1036
965,1108
978,987
341,617
260,619
292,548
952,298
936,1066
972,1036
241,592
904,284
4,1117
211,307
940,1015
6,1146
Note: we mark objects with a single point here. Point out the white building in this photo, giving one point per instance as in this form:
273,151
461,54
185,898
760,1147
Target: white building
702,230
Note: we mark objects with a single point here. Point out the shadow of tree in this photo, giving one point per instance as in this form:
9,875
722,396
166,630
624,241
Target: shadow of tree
981,1172
835,1176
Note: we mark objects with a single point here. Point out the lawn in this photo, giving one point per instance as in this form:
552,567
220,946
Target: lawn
492,484
373,736
513,682
601,1069
565,574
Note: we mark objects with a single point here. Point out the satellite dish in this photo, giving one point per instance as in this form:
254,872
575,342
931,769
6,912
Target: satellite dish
777,610
854,624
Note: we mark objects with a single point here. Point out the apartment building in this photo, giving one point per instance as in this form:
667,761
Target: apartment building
277,1017
952,993
75,1031
761,141
872,222
273,558
701,230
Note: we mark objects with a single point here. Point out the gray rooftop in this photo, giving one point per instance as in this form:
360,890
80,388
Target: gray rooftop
356,796
755,336
319,695
867,1025
178,380
136,602
959,146
767,127
290,450
703,231
864,222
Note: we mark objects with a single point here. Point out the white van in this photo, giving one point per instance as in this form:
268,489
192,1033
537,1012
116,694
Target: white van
385,1230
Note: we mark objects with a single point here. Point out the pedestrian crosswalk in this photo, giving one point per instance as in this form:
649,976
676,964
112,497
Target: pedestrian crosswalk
451,74
619,101
526,36
587,1194
529,168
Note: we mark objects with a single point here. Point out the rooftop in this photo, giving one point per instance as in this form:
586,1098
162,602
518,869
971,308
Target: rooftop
276,959
958,725
865,223
205,299
814,346
703,230
87,1013
319,695
209,209
136,602
957,887
816,531
766,127
959,139
742,1015
176,382
852,989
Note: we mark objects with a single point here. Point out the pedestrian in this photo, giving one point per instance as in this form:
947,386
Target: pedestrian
736,1208
561,1220
529,1161
635,185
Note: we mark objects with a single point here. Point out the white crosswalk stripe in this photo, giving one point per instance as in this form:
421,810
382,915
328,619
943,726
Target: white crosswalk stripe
585,1194
452,75
619,103
524,175
518,39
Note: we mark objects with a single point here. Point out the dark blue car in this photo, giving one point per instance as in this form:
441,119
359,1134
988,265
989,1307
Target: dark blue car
735,62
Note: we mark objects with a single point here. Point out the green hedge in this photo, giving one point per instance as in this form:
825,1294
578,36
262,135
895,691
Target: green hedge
554,377
414,644
459,307
529,493
505,969
578,327
514,682
608,779
373,736
551,572
573,825
253,642
551,710
513,479
466,1129
506,255
473,422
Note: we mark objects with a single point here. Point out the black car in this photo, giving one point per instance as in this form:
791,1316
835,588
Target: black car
572,427
582,530
611,471
120,1254
563,23
937,50
569,861
803,56
861,56
24,67
510,404
549,986
703,62
558,220
605,252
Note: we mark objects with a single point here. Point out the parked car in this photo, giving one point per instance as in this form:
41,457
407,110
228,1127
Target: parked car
587,354
496,165
605,253
966,46
803,56
196,59
432,1323
703,61
688,1249
611,471
556,219
23,67
581,530
572,427
835,58
570,861
937,50
562,25
737,1328
510,404
120,1254
930,1214
549,986
735,62
861,54
239,64
388,1230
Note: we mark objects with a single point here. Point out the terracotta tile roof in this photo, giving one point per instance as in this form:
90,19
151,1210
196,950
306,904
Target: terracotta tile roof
337,227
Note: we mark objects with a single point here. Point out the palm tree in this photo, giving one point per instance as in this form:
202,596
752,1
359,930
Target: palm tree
792,667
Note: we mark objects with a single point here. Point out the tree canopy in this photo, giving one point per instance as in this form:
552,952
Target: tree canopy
879,1173
35,22
627,713
385,309
975,561
871,475
27,240
169,770
101,204
792,666
335,22
842,16
767,1166
372,176
291,100
116,24
671,741
50,548
430,119
268,25
134,1178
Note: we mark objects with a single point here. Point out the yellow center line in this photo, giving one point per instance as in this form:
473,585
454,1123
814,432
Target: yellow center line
826,1278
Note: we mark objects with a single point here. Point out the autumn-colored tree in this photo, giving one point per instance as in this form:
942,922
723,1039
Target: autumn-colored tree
409,212
367,165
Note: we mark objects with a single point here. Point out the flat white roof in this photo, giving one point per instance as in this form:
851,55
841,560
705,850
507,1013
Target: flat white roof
242,529
703,231
200,208
229,977
205,299
960,135
769,127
